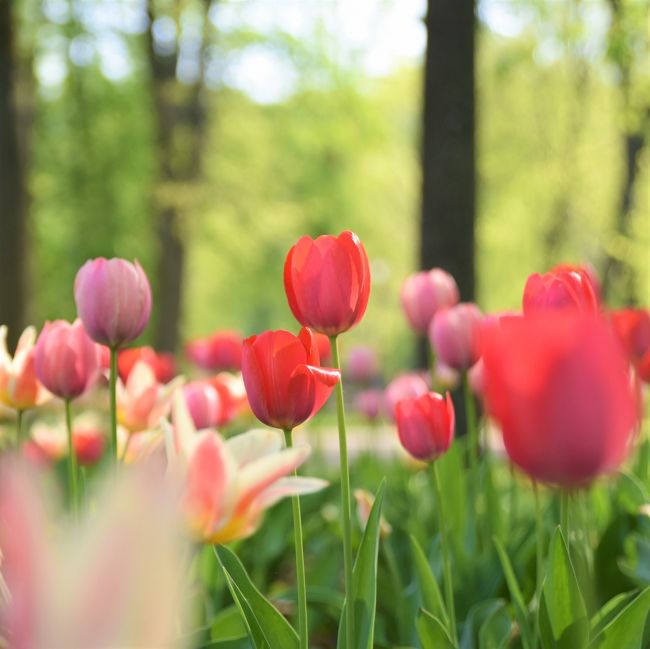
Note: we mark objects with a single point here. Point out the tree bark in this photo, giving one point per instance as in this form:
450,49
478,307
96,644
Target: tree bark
448,147
179,110
13,213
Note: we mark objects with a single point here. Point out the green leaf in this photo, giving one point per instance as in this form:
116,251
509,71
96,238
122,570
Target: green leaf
478,615
496,630
453,477
521,612
625,631
631,492
228,625
267,627
364,579
563,616
429,590
432,632
239,643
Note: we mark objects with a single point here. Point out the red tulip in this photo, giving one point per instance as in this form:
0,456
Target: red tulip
65,358
424,293
632,327
559,386
324,348
219,351
564,287
404,386
89,445
162,364
284,382
425,425
327,282
455,335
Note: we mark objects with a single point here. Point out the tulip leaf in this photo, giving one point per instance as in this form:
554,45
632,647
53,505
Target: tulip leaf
228,625
562,614
609,611
631,492
477,617
429,590
364,579
266,626
626,629
432,632
496,630
521,612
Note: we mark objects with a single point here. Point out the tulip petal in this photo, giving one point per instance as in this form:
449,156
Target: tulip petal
292,486
254,444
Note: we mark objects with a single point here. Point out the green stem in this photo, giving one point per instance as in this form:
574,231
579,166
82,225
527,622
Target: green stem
346,508
113,393
564,515
19,426
539,555
513,499
72,460
446,559
472,429
303,627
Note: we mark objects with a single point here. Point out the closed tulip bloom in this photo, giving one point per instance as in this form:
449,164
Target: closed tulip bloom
564,287
403,386
362,364
559,386
204,404
19,386
89,444
327,282
217,352
424,293
369,403
632,327
455,335
284,381
162,364
425,425
65,359
113,299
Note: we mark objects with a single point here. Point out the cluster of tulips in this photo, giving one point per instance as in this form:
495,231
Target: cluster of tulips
562,382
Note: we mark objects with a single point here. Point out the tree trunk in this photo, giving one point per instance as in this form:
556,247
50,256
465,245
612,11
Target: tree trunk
180,128
12,189
448,159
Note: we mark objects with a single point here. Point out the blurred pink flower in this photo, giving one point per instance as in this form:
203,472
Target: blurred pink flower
362,364
455,335
424,293
403,386
204,403
220,350
370,403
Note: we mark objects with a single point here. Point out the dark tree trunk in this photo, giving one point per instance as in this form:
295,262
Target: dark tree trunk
177,106
13,215
448,164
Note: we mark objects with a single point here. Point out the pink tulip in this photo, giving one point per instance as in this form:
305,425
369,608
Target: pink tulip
455,335
401,387
362,363
204,404
424,293
113,299
65,359
562,288
369,403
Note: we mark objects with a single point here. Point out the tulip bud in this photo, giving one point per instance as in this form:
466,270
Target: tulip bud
65,358
564,287
404,386
455,335
89,445
203,403
113,299
369,403
424,293
425,425
362,364
327,282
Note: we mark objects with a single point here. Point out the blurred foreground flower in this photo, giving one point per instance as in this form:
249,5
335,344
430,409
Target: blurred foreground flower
424,293
559,386
20,388
116,580
327,282
220,351
229,483
632,327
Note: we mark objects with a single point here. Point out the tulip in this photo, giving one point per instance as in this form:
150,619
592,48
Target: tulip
220,351
425,425
324,347
632,327
362,363
113,299
142,402
229,483
564,287
283,379
204,404
232,395
161,363
455,335
65,359
88,444
404,386
424,293
49,443
327,282
20,388
369,403
558,384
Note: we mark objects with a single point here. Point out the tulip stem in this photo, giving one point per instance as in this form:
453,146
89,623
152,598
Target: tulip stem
346,508
19,426
72,460
303,627
446,559
472,429
113,393
539,556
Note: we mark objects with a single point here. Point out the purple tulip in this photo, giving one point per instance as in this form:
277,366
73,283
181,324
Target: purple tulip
113,299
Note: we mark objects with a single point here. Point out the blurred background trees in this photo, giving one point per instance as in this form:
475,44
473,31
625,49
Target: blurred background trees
203,137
